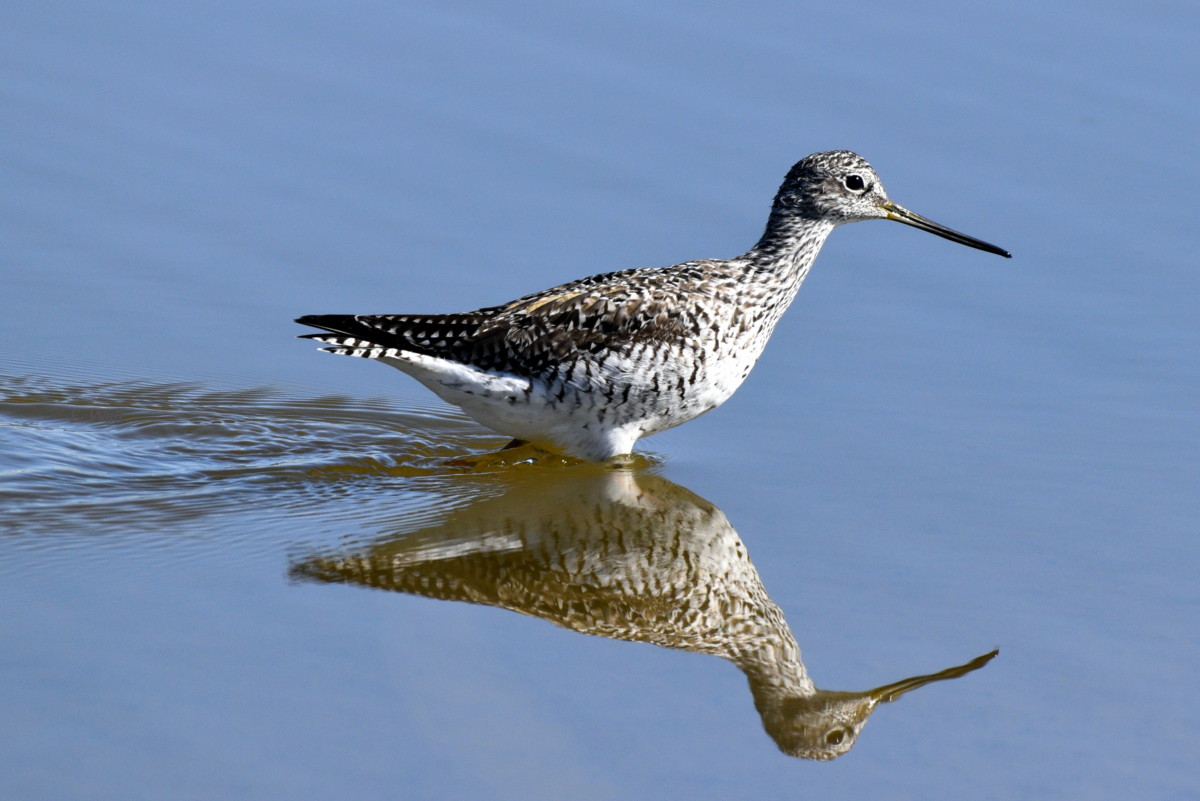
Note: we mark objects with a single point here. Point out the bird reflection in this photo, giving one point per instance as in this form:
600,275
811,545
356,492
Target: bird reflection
629,557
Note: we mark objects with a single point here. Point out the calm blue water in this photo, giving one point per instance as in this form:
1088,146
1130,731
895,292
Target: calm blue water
940,453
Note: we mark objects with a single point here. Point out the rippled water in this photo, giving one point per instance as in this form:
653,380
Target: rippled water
607,550
132,455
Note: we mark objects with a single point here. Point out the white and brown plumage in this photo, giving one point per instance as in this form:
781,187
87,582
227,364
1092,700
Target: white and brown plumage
631,557
589,367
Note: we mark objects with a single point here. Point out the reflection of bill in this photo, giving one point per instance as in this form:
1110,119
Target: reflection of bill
629,557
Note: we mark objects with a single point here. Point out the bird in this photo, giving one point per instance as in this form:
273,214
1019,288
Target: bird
589,367
629,556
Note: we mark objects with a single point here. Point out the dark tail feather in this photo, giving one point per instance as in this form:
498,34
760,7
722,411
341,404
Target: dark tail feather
347,335
431,334
335,323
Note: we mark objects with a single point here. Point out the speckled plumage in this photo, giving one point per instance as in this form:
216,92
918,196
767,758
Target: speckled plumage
627,557
589,367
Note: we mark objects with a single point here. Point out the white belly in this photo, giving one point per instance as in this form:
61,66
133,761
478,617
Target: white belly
593,414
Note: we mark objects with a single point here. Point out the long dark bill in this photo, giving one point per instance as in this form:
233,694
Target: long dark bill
890,692
900,214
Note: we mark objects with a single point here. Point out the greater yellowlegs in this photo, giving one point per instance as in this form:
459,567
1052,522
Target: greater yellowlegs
627,556
589,367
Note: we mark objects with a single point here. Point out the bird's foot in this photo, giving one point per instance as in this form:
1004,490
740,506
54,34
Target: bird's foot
516,453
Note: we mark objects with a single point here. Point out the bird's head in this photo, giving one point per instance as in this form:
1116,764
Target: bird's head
840,187
825,724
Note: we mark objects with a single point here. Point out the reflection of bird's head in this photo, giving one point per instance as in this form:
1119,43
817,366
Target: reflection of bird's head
826,724
822,726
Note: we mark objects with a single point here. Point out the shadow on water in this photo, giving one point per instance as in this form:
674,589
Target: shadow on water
630,557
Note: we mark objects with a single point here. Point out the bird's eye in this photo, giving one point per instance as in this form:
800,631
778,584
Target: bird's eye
836,736
854,183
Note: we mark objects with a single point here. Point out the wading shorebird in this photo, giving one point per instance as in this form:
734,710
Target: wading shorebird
590,367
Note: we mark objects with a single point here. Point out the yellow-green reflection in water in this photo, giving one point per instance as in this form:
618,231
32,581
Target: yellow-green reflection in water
628,556
613,551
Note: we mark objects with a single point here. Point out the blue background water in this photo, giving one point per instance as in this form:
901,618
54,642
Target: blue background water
940,452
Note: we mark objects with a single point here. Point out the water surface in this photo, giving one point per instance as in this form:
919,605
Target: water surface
940,453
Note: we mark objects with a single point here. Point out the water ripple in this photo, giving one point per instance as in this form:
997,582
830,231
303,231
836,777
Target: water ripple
138,455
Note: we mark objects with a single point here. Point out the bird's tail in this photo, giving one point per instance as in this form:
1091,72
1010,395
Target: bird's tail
345,334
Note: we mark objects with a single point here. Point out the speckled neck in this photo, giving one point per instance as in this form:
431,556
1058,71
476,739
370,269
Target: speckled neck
790,244
773,667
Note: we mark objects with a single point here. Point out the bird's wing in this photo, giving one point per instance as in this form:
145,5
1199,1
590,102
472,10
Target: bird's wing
528,335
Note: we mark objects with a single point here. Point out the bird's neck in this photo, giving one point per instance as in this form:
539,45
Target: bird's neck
775,672
789,245
761,643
